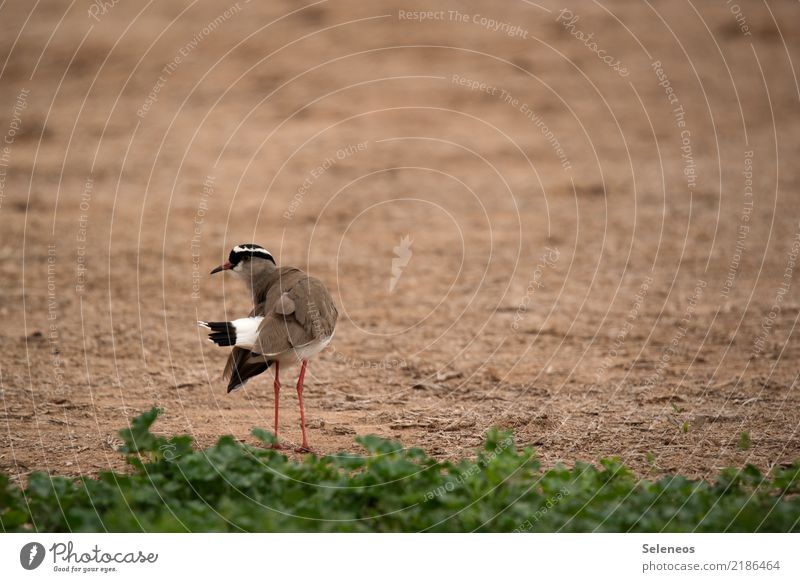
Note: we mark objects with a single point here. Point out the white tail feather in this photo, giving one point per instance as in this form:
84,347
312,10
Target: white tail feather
247,331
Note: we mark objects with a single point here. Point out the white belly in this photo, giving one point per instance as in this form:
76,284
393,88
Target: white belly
301,353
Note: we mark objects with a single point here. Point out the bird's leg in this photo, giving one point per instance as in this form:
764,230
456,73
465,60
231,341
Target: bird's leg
277,387
304,448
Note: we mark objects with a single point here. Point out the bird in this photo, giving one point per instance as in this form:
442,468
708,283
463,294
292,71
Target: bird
293,319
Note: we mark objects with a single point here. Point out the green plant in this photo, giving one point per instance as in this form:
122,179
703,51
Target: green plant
236,487
744,441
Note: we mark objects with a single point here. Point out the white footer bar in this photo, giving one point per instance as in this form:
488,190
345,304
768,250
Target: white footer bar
356,557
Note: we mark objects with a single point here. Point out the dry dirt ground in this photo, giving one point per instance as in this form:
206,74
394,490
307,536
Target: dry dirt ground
601,212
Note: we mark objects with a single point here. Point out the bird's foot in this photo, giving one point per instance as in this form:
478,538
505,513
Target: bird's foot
304,449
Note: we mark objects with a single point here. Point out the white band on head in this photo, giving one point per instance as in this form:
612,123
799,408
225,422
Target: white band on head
253,249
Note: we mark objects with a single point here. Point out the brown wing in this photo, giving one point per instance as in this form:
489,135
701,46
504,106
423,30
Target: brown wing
313,308
242,365
301,311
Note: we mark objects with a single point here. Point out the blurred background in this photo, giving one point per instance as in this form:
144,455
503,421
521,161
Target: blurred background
576,221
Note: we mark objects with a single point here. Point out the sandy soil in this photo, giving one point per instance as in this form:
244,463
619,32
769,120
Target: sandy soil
603,229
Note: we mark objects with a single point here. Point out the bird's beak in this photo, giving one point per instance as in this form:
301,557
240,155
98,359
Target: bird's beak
223,267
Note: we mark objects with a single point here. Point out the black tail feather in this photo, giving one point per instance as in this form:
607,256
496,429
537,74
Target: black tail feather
223,333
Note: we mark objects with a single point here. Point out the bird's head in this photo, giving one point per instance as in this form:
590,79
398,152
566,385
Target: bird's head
247,260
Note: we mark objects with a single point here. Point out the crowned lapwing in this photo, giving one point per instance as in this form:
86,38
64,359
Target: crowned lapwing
293,318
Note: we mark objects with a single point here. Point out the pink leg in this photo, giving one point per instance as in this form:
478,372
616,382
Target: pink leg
277,393
300,398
